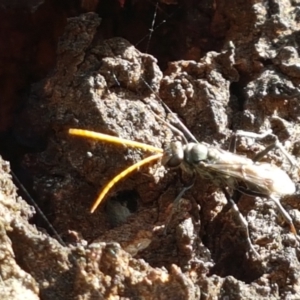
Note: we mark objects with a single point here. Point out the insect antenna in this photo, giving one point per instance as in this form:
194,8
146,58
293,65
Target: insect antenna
173,128
113,139
117,140
151,30
37,208
121,175
154,27
176,120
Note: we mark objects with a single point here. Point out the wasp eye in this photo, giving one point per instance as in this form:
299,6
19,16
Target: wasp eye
174,155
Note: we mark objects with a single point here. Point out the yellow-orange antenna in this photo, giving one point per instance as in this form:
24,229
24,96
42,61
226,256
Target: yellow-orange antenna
113,139
117,140
122,175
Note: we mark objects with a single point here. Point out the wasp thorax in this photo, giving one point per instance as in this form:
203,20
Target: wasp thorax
213,155
174,155
194,153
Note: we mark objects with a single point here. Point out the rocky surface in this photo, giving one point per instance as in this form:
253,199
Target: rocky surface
130,248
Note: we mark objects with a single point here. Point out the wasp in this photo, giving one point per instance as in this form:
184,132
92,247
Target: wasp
225,169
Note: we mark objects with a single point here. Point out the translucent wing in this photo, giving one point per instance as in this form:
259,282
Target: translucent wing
262,177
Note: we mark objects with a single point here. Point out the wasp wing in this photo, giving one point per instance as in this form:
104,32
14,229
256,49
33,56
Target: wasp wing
261,177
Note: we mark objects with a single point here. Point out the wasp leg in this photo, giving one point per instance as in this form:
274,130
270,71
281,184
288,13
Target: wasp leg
176,203
285,215
242,220
281,209
276,144
256,136
253,135
232,143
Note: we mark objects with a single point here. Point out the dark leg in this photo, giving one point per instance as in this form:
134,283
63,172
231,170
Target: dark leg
259,156
242,220
285,215
176,202
232,143
276,144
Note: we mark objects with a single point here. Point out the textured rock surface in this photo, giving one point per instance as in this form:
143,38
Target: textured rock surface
249,81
